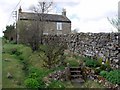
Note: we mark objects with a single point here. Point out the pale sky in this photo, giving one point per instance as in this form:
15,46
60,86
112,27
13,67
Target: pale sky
86,15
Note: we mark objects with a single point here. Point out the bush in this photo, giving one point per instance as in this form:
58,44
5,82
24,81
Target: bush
15,51
108,67
114,76
23,52
56,84
33,73
58,68
73,63
31,83
105,67
100,60
92,63
4,40
53,54
97,70
38,74
11,48
104,73
26,52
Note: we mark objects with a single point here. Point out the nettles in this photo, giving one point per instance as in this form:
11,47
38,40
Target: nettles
114,76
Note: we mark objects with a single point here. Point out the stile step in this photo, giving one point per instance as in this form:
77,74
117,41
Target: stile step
79,80
76,71
75,68
76,75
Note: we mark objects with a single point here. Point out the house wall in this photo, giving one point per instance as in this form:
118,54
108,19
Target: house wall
66,28
26,29
22,31
51,28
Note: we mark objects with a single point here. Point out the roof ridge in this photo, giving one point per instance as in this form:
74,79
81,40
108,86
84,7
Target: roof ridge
41,13
51,17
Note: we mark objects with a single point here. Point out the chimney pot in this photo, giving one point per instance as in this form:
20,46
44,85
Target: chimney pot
20,9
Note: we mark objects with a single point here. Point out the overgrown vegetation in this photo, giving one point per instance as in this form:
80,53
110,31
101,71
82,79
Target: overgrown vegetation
56,84
38,75
52,54
104,73
92,63
31,83
92,84
12,65
29,68
9,29
114,76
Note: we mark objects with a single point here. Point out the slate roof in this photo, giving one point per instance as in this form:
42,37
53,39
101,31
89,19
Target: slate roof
47,17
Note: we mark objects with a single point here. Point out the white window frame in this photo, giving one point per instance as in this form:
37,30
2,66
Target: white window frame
59,25
45,33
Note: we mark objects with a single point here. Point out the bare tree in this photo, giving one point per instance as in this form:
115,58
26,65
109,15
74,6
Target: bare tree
40,11
31,32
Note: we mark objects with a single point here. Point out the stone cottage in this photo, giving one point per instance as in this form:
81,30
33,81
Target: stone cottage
54,24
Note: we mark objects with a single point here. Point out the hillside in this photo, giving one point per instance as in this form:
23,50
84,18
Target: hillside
23,68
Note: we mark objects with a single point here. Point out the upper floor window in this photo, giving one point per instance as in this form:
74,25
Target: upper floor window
59,26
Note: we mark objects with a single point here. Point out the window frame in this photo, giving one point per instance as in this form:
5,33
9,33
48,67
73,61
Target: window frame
59,26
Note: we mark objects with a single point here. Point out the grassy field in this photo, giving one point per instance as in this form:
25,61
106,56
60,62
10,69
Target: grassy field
13,66
11,63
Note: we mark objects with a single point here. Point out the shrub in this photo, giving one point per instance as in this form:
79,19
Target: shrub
23,52
108,67
73,63
11,48
104,73
92,63
56,84
58,68
31,83
85,59
15,51
26,52
34,72
4,40
105,67
38,74
53,54
114,76
100,60
97,70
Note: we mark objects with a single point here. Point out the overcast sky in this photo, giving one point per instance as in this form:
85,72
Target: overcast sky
86,15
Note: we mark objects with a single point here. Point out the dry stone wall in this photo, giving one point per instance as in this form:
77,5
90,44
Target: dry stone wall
100,45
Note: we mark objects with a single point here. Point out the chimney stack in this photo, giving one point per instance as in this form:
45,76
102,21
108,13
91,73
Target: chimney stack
20,10
64,12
